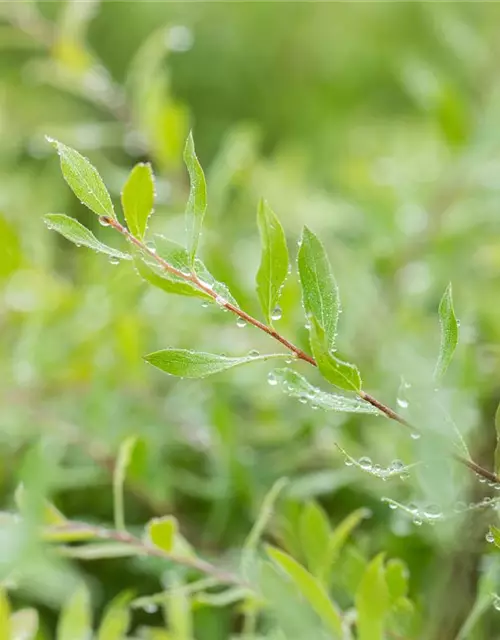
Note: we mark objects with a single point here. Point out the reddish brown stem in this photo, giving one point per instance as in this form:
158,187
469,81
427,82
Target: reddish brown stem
299,353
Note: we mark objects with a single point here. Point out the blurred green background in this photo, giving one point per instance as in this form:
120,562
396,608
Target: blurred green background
375,124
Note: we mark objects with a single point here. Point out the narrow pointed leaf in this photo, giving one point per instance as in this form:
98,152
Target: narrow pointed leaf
84,180
497,450
396,575
273,268
138,199
123,460
341,534
296,386
75,621
315,532
70,532
449,333
197,201
72,230
197,364
100,550
5,621
311,589
320,294
372,601
339,373
116,620
24,624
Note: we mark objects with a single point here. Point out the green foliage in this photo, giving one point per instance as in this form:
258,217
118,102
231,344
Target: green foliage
373,601
273,269
80,235
75,620
138,199
197,202
449,333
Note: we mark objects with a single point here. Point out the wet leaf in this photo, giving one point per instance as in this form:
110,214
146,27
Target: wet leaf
449,333
373,601
138,199
197,201
75,622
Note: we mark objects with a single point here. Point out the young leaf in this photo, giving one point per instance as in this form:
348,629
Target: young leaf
69,532
396,575
341,374
100,550
449,333
75,621
340,535
72,230
273,268
297,386
24,625
497,450
116,620
122,462
197,201
162,532
84,180
51,516
197,364
138,199
5,622
314,535
320,294
372,601
311,589
265,514
158,277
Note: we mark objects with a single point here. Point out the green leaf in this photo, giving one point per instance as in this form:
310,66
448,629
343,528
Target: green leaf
138,199
273,268
265,513
449,333
197,201
122,462
84,180
116,620
372,601
70,532
341,374
162,532
495,532
158,277
311,589
51,515
75,622
296,386
24,625
314,529
5,621
80,235
320,294
197,364
396,574
223,598
497,450
340,535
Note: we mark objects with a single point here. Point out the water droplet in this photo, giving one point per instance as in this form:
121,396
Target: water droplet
303,399
458,322
401,402
220,301
412,507
348,462
417,521
307,325
459,507
253,352
151,608
415,435
482,480
151,247
271,379
241,323
496,603
433,512
114,260
393,506
104,221
365,462
376,468
396,465
490,537
205,304
277,313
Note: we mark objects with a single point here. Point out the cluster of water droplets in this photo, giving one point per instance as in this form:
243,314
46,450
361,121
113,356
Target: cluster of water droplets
496,601
396,468
429,514
309,395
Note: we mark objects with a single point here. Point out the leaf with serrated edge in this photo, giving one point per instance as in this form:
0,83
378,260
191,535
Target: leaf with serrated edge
341,374
75,232
84,180
197,201
138,199
320,294
311,589
449,333
273,268
197,364
296,386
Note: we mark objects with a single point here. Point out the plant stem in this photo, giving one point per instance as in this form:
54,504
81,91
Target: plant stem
299,353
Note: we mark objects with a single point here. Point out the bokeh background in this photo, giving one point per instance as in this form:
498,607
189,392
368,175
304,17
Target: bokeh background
376,124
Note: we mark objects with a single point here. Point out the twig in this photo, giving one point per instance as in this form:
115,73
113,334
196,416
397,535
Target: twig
145,548
299,353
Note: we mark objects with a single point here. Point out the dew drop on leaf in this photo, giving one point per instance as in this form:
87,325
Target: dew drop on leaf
204,304
415,435
490,537
396,465
241,323
151,608
253,352
417,521
271,379
103,220
365,462
402,403
277,313
114,261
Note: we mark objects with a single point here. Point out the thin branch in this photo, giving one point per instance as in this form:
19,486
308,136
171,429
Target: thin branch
299,353
145,548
